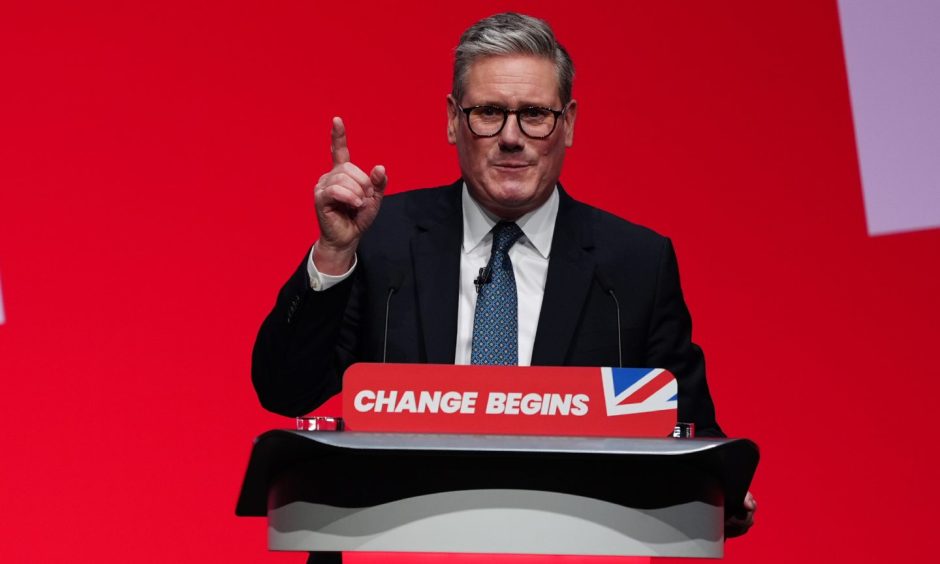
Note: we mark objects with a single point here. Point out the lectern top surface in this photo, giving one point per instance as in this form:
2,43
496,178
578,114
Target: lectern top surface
512,443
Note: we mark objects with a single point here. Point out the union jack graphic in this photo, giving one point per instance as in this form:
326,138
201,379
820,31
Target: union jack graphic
638,390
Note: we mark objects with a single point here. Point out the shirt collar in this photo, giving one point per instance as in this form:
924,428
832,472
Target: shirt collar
538,226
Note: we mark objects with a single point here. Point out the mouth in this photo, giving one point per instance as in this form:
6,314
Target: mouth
511,165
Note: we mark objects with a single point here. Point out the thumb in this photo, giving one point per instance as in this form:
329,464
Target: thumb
749,502
379,178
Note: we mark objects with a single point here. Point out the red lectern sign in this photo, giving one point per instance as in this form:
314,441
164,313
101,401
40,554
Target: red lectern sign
510,400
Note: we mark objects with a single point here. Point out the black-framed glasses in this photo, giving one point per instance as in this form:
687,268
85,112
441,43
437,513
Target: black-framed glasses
534,122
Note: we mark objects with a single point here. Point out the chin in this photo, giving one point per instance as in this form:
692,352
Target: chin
511,188
511,208
511,198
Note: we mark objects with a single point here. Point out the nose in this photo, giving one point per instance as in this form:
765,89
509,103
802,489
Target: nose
511,137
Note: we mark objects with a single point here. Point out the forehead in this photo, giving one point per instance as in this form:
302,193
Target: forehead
512,80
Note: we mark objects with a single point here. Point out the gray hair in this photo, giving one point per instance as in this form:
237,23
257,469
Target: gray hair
511,34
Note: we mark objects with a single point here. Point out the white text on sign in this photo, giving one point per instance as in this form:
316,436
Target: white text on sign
497,403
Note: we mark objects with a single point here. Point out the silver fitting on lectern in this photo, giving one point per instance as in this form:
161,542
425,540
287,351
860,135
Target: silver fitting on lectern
319,423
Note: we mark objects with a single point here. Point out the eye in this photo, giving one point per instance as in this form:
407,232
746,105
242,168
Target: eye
488,111
534,115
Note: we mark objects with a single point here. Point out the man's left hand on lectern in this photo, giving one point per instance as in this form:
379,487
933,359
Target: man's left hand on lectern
740,522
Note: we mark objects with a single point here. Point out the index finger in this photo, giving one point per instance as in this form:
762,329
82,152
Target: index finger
338,142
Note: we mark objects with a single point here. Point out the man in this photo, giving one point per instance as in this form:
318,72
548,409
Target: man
422,280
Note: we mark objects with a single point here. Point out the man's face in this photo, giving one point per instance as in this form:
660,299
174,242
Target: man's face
510,174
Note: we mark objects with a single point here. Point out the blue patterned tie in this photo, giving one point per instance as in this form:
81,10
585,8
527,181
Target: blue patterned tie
496,320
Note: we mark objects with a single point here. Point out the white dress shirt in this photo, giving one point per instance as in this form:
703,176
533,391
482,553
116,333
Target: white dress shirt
529,258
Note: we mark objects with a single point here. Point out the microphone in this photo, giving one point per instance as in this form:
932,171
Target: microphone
485,276
608,287
395,281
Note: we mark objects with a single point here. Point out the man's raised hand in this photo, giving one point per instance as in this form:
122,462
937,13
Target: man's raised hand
347,201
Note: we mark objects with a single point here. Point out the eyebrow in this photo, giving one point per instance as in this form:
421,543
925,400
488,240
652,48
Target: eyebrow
520,106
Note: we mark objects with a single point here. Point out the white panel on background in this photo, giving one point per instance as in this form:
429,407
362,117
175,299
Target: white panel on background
892,53
3,317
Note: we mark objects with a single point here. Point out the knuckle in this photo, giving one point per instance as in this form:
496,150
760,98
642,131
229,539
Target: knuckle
330,192
351,169
339,180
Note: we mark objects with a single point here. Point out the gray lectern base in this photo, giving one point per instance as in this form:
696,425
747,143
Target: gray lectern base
386,492
500,522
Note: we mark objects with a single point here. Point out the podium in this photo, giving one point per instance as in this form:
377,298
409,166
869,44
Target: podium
393,492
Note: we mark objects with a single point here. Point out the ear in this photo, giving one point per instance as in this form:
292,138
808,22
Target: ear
570,115
453,120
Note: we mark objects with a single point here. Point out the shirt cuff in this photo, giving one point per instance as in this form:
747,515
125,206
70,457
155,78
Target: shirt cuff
319,281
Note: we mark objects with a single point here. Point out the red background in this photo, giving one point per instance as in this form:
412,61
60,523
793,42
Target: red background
156,189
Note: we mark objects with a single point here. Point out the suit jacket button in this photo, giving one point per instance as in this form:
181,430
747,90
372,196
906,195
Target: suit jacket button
292,308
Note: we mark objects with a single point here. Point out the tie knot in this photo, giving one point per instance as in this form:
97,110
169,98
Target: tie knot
505,234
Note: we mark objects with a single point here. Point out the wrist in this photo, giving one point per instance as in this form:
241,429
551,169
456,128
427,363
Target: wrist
333,261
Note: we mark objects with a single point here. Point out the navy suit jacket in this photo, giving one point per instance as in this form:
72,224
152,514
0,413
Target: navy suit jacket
309,338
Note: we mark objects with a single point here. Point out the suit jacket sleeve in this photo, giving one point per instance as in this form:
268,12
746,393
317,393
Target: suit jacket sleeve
304,345
669,345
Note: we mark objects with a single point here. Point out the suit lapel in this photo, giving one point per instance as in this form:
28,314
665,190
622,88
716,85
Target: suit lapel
570,273
436,252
